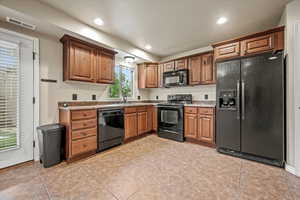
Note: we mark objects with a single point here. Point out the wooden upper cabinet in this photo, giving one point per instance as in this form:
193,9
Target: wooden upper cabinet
190,125
227,51
169,66
151,76
195,70
207,69
105,67
181,64
257,44
206,128
160,80
83,61
142,76
270,40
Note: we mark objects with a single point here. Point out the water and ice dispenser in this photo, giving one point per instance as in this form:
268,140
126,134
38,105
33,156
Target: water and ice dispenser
227,99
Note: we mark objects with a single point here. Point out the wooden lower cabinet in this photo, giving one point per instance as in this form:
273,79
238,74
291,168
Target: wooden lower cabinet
154,119
81,132
130,125
138,121
142,122
199,124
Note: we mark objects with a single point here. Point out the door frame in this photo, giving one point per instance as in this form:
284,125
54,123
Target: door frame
296,66
36,86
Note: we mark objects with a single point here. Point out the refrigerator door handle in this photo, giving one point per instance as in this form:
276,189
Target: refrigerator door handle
243,100
238,99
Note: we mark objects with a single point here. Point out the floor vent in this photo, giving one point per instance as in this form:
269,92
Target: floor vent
20,23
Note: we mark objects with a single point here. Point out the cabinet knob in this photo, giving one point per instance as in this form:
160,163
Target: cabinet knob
84,145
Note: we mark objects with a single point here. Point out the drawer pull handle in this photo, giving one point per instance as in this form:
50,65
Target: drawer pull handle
84,134
84,114
84,124
84,146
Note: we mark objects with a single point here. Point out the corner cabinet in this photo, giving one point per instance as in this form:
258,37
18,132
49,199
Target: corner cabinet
87,62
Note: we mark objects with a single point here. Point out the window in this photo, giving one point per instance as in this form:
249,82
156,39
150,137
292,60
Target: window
9,81
123,86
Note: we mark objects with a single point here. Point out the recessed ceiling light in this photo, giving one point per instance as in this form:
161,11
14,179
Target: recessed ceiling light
222,20
148,46
98,21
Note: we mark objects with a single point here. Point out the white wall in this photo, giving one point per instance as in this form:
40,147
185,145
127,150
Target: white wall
51,68
290,16
198,92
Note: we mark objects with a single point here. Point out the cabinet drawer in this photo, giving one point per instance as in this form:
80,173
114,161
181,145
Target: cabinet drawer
206,111
90,123
227,51
181,64
83,114
258,44
141,109
130,110
84,145
84,133
191,110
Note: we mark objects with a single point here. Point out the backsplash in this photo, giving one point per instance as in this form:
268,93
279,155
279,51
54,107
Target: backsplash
198,92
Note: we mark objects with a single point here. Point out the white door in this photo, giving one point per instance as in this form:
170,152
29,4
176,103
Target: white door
16,95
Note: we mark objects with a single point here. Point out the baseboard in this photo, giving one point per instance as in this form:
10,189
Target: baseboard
290,169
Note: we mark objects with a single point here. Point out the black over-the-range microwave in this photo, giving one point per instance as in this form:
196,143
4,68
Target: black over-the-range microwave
176,78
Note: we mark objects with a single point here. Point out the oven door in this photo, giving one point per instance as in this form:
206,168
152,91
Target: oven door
170,118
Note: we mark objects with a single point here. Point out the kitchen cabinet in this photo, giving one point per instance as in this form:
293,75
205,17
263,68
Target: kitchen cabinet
130,125
142,122
199,124
169,66
270,40
160,74
151,76
207,69
138,120
181,64
154,119
86,62
195,63
105,67
81,132
148,75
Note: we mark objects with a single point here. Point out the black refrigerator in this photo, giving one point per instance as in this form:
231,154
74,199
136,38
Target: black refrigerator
250,117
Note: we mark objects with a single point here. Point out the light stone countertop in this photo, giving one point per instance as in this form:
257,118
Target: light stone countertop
122,105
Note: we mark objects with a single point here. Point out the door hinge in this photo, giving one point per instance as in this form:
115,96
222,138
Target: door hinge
33,55
33,143
33,100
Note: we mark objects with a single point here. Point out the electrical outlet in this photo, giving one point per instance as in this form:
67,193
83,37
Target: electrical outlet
206,96
94,97
74,96
139,97
156,97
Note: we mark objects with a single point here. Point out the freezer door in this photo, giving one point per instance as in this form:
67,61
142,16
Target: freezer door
227,115
263,106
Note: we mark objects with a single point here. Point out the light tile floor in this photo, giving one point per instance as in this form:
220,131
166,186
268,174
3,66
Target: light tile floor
151,168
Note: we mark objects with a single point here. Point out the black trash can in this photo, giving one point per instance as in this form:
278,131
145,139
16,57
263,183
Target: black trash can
51,139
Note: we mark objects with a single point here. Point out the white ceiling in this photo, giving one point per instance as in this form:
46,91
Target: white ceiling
173,26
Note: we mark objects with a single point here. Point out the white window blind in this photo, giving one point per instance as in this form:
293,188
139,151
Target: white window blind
9,90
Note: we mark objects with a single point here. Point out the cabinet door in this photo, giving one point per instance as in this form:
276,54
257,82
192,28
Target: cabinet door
258,44
142,122
82,62
149,118
142,76
181,64
227,51
195,70
105,67
190,125
130,125
169,66
154,119
206,128
151,76
160,75
207,69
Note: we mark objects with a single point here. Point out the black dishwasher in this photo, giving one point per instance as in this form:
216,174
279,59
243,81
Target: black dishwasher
110,128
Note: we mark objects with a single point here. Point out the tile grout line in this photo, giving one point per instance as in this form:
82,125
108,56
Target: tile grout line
45,187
